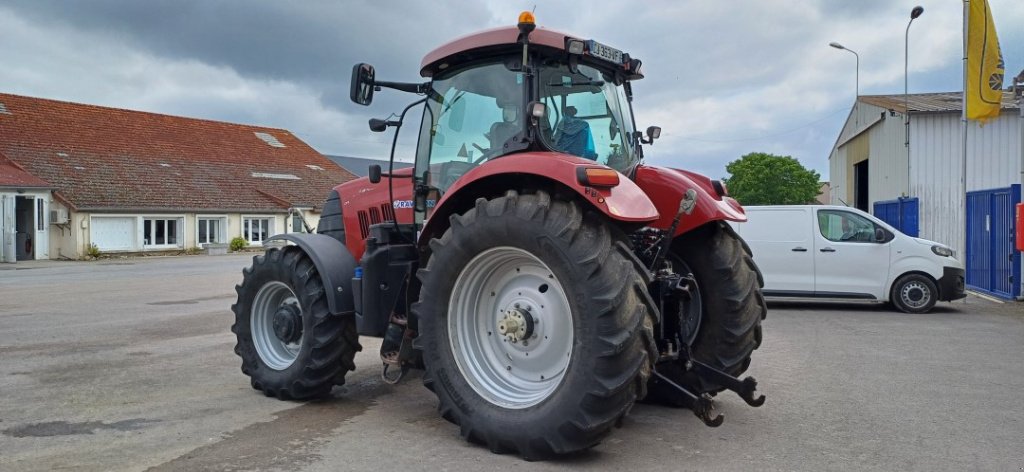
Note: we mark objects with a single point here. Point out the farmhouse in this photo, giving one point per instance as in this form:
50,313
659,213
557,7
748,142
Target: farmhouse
74,176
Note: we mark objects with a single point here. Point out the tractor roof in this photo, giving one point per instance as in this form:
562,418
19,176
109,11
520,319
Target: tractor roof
488,39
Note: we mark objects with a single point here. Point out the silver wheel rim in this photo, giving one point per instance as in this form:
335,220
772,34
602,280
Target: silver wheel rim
274,352
495,292
915,294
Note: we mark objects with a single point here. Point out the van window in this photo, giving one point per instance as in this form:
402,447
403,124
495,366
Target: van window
776,226
844,226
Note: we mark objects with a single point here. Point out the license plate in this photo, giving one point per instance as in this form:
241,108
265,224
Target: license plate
607,53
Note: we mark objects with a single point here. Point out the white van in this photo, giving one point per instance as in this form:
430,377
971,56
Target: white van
834,252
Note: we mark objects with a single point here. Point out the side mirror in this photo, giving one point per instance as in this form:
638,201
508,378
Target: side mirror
880,235
374,173
361,90
377,125
653,132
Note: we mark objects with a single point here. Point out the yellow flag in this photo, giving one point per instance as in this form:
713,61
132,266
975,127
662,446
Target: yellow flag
984,64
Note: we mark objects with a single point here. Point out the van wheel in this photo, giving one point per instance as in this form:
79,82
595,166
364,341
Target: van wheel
914,293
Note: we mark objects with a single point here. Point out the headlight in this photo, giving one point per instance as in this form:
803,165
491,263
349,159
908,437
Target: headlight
942,251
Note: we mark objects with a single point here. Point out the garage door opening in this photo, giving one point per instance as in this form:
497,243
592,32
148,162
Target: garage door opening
860,185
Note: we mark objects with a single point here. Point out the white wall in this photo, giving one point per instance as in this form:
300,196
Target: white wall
887,156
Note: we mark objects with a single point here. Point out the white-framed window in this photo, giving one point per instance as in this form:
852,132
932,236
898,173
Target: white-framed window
211,229
256,229
162,232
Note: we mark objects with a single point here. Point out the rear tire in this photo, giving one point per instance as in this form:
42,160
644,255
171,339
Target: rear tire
291,346
914,293
732,309
594,348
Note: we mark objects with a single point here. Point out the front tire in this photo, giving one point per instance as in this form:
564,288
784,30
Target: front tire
732,308
291,346
566,287
914,293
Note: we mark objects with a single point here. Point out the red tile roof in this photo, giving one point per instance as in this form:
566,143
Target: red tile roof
13,175
113,159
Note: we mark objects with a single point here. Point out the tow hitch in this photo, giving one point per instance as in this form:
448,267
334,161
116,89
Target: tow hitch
702,405
670,288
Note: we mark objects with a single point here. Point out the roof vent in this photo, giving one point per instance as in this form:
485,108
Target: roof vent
3,109
269,139
314,167
267,175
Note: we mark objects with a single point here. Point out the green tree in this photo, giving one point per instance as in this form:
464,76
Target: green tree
760,178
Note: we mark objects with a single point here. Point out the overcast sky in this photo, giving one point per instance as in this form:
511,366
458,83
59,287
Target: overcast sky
723,78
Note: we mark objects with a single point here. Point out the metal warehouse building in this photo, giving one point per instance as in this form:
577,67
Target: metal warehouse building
909,176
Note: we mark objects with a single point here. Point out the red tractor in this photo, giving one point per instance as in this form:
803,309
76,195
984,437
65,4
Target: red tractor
543,277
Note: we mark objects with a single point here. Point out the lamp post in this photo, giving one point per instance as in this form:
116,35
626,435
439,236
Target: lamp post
914,14
857,97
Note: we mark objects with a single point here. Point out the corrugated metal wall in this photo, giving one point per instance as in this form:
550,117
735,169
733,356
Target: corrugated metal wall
994,160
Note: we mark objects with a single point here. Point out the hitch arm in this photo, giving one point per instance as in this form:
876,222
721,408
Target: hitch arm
702,405
745,388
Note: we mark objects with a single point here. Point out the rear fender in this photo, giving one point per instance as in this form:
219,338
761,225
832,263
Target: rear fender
667,187
625,202
333,262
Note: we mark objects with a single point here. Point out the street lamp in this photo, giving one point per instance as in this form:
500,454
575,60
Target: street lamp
857,98
914,14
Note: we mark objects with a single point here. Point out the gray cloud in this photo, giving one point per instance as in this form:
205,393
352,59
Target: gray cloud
723,79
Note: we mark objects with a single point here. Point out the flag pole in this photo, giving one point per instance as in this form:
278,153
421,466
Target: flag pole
963,138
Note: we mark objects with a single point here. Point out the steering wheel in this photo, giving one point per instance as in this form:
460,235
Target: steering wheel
485,153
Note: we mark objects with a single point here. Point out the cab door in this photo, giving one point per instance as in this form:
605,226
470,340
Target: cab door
848,261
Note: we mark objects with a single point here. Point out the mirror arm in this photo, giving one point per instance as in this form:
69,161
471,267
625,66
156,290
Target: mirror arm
404,86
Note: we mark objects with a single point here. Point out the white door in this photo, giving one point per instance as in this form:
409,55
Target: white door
42,222
848,261
780,239
7,229
111,233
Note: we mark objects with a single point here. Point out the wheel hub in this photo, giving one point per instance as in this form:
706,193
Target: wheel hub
516,325
288,323
510,326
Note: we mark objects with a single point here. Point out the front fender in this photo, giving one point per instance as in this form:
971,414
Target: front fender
668,186
625,202
333,262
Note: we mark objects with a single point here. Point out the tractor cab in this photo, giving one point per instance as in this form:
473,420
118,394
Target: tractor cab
517,89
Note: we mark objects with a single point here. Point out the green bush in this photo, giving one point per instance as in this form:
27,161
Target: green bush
238,243
93,251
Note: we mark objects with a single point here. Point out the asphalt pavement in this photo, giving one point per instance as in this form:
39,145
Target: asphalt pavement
127,364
